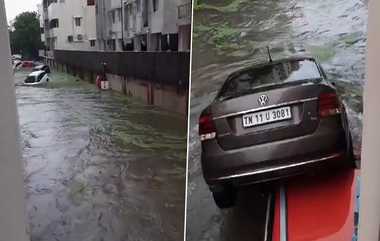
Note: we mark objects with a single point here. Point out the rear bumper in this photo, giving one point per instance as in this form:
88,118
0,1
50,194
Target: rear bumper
272,173
275,160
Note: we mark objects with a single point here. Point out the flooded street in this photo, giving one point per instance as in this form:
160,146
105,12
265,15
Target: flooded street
99,165
230,35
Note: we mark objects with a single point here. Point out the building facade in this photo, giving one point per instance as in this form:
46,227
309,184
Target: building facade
116,25
68,24
109,25
150,25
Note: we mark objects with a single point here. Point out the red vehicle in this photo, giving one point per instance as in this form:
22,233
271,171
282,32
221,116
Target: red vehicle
27,64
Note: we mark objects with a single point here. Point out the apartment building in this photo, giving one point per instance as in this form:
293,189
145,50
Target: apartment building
69,24
109,25
150,25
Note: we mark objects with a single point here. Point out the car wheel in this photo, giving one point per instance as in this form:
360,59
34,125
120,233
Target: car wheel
225,198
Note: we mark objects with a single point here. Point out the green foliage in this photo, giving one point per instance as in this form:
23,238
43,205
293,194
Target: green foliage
25,35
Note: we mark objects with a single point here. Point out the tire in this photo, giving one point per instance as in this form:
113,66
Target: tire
353,163
225,198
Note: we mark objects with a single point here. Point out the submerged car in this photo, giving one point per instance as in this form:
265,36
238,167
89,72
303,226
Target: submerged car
271,121
42,67
37,78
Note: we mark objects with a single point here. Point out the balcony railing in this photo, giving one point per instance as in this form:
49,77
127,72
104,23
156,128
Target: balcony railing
184,11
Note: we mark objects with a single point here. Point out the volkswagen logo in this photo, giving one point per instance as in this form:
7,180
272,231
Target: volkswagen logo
263,100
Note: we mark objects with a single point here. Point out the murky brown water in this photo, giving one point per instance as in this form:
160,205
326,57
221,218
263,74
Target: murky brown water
100,166
232,34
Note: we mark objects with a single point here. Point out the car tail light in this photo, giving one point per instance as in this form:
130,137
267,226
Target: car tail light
207,129
328,105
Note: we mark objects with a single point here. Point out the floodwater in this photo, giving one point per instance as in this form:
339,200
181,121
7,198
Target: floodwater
100,166
232,34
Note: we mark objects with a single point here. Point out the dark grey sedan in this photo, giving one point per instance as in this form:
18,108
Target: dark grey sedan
271,121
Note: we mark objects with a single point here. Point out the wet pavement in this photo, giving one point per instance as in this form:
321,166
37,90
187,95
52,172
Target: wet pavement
100,166
230,35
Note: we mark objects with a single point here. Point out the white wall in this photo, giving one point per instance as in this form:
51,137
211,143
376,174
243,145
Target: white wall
12,206
369,225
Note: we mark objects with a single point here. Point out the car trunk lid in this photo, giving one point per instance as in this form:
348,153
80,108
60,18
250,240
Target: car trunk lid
300,100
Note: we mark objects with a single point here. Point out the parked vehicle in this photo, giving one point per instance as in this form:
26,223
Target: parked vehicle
271,121
17,57
42,67
37,78
17,64
27,64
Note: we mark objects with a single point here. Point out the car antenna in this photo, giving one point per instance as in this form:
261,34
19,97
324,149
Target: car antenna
269,55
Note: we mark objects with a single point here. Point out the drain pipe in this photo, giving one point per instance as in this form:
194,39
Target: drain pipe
12,203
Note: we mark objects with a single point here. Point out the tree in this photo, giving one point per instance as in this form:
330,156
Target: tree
25,35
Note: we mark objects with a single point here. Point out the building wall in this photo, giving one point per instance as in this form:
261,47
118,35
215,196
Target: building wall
164,96
184,37
109,32
170,16
13,225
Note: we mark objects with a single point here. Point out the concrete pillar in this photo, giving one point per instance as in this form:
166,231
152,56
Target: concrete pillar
12,204
369,225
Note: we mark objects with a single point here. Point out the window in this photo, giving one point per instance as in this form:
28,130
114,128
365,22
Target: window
155,5
54,23
70,38
90,2
78,21
283,73
92,43
113,17
119,15
42,30
79,37
40,77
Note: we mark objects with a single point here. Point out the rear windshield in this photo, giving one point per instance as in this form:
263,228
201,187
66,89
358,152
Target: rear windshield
290,71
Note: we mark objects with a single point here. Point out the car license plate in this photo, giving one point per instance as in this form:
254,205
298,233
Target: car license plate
267,116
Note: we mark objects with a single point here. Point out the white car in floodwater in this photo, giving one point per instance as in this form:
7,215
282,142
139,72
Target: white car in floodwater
37,78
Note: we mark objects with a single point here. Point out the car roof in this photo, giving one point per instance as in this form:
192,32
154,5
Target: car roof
269,63
36,73
40,66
